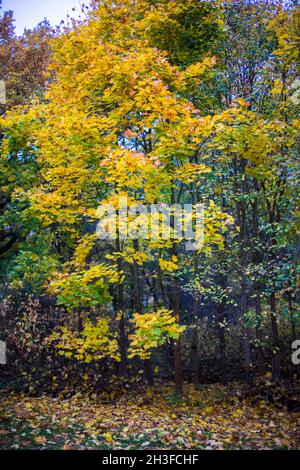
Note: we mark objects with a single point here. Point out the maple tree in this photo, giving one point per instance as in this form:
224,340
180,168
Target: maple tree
120,138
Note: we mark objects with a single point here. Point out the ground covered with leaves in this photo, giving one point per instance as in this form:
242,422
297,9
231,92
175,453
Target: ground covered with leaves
214,417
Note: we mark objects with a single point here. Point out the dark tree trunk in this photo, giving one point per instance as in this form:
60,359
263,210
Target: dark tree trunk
195,336
242,221
138,308
275,339
259,354
194,358
123,370
221,333
177,346
257,258
245,334
175,305
292,319
222,352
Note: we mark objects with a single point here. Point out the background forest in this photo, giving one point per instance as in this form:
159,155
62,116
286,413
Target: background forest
163,102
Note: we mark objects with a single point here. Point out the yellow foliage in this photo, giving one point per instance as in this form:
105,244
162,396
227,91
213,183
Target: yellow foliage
93,343
152,330
169,265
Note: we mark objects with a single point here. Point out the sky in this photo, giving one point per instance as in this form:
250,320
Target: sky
28,13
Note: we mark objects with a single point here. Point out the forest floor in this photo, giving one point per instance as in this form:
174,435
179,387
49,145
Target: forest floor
214,417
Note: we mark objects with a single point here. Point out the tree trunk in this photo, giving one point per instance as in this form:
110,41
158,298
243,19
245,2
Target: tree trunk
123,369
221,333
245,335
256,259
195,338
194,358
292,319
222,350
242,219
177,346
138,308
275,339
259,354
175,305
